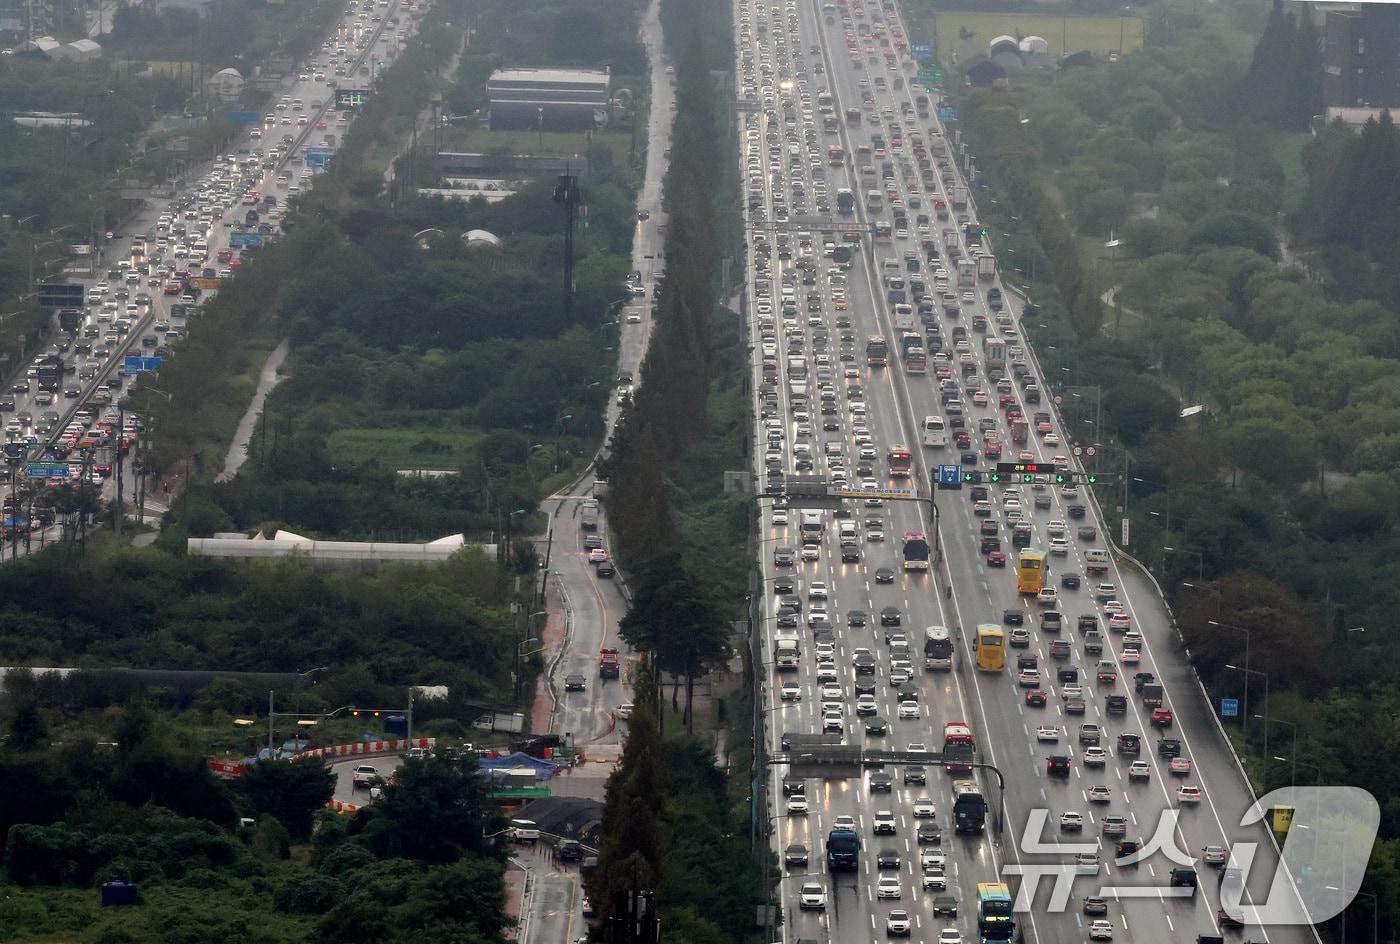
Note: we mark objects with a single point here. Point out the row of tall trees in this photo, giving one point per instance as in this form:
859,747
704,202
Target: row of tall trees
1351,208
672,828
1283,87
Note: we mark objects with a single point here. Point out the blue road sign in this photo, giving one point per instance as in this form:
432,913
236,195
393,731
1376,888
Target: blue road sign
319,157
244,117
1229,707
922,52
136,364
947,113
950,475
47,470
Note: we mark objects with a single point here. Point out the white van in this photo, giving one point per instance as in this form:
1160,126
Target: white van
846,531
524,830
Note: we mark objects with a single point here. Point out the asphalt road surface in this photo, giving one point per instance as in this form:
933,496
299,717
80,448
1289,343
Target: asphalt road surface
789,58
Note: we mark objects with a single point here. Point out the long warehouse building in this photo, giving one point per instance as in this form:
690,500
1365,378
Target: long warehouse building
549,98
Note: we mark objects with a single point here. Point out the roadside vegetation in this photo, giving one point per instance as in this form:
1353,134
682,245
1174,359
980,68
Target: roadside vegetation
676,823
1140,203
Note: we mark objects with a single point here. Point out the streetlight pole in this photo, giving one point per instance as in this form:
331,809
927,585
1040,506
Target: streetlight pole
1219,597
1249,672
1293,754
1200,559
1244,716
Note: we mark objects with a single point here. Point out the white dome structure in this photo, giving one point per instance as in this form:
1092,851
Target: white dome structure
1035,45
480,237
1003,44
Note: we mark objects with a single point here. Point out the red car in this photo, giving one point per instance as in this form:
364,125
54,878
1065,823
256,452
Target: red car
996,559
1180,767
1036,698
1161,718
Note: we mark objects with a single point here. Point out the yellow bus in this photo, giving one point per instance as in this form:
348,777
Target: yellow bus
1030,571
991,648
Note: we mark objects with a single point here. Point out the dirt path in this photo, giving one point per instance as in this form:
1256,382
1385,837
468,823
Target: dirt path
267,379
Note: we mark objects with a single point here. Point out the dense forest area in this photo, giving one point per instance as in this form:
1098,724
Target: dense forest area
1270,516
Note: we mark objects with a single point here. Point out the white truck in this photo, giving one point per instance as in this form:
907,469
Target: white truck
787,652
986,267
957,196
588,515
813,526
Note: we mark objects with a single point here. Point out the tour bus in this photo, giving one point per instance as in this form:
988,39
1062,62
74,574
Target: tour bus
935,432
1030,571
991,648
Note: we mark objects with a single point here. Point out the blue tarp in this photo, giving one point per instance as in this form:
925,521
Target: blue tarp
544,769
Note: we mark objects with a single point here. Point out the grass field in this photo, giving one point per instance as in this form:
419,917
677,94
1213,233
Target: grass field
404,447
962,33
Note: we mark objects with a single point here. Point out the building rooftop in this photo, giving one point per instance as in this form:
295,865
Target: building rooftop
546,76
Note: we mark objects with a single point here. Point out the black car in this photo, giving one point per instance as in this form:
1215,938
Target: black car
569,850
991,545
1076,511
887,859
1095,905
795,854
1088,532
864,685
856,618
969,458
1070,581
890,616
1057,765
850,554
1127,847
875,725
930,834
881,782
914,773
884,575
1013,618
784,585
574,682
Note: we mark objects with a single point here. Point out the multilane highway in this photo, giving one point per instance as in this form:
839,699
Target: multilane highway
361,41
788,56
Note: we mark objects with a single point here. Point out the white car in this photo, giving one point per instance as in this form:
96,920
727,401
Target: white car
1188,795
923,807
797,805
888,887
950,936
1047,733
909,711
884,823
1059,547
898,923
816,590
791,691
1086,863
934,880
812,895
831,693
1101,930
1215,855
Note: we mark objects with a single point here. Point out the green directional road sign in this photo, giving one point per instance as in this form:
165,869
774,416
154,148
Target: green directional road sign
931,76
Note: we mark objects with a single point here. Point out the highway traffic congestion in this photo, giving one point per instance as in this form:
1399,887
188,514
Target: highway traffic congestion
886,347
61,414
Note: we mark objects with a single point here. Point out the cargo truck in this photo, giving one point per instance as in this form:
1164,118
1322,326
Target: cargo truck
986,267
70,320
787,652
967,273
588,516
958,197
